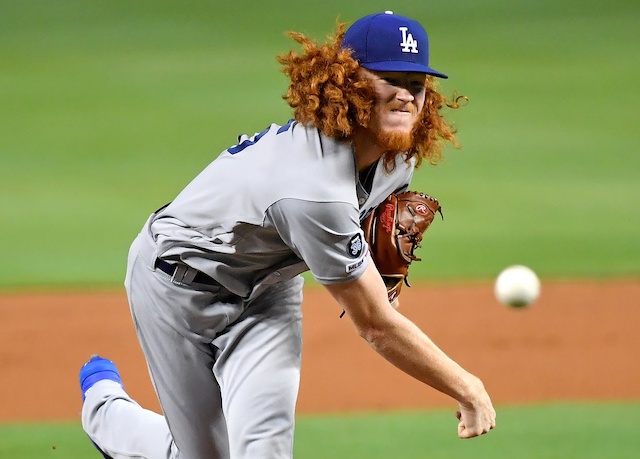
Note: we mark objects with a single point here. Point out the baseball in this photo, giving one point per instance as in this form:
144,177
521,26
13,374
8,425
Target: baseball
517,286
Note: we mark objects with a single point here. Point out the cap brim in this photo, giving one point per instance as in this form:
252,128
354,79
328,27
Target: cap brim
402,66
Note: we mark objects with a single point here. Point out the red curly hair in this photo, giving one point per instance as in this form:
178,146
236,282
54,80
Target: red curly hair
327,91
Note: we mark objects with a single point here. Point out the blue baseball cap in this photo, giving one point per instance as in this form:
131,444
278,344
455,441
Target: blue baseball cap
387,42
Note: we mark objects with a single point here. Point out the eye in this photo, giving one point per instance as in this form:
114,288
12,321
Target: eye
416,87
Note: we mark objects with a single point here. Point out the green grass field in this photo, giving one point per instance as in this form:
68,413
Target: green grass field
108,108
562,431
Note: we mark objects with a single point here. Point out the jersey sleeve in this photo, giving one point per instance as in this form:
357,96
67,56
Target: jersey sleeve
325,235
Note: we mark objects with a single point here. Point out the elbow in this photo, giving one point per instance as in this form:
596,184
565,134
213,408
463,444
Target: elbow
373,335
376,328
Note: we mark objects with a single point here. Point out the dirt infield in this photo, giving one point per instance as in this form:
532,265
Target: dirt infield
578,342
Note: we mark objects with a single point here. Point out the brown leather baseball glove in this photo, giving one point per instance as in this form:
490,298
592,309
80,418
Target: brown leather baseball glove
394,230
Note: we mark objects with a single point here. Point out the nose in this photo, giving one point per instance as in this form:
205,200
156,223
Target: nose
404,94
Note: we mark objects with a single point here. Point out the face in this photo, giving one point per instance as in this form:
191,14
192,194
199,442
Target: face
400,97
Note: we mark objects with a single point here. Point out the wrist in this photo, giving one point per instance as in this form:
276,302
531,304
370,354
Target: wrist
471,389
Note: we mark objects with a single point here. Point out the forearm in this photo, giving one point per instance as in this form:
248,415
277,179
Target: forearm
399,340
404,345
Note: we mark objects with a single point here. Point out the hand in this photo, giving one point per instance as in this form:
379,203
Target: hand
476,418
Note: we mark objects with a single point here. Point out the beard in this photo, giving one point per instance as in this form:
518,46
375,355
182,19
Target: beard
395,142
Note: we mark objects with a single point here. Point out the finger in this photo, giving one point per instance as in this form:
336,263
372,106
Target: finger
464,432
469,433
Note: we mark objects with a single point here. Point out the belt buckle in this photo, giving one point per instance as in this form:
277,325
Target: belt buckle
183,275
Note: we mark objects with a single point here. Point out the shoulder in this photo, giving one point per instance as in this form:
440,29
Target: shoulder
291,161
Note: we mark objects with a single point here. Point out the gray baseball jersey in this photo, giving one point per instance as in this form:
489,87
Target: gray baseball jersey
273,206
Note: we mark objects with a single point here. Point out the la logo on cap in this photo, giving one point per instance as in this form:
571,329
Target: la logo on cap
408,44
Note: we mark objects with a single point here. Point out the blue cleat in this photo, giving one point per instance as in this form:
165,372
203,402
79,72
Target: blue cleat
97,369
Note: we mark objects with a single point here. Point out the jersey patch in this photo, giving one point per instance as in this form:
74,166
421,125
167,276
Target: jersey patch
353,266
355,246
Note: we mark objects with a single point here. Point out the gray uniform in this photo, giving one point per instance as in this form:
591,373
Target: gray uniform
224,353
